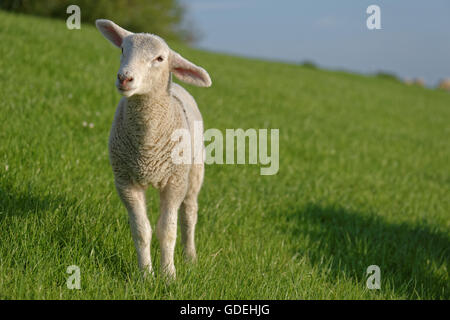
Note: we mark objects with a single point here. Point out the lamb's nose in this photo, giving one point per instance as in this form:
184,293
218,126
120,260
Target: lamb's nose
124,79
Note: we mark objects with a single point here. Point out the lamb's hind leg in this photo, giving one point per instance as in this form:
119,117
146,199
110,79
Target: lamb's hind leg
133,197
188,214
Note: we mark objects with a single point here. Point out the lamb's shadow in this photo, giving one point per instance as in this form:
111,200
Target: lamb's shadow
22,204
413,258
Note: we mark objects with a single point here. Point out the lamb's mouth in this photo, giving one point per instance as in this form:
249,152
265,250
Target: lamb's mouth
125,90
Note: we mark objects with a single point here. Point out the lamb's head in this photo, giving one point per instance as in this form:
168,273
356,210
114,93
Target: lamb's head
147,61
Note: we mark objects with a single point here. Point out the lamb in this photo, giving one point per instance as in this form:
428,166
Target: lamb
140,144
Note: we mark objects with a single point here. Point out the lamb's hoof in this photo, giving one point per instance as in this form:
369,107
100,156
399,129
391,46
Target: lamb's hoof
148,273
169,273
190,256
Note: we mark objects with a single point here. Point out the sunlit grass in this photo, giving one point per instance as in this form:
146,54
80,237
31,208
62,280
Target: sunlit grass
364,179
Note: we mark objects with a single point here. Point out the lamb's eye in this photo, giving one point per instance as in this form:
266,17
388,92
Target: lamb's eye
160,59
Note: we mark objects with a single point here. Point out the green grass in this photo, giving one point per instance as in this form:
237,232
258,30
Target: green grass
364,179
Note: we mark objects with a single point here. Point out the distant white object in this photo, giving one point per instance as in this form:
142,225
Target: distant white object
140,143
419,82
416,81
444,84
409,82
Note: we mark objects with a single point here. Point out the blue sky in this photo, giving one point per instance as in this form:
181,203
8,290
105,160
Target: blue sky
414,40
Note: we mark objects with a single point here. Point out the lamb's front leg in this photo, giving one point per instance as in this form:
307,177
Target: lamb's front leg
170,200
133,197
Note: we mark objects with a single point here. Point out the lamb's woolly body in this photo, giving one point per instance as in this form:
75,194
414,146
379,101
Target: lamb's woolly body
141,141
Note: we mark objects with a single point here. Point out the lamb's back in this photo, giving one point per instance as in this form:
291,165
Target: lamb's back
193,117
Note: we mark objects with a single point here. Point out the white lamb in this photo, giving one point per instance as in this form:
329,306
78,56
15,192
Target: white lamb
140,144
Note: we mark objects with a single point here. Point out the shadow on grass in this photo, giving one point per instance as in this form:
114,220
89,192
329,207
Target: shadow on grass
61,226
14,203
413,258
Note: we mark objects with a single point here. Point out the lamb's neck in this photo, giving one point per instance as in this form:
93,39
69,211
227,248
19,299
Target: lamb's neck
150,115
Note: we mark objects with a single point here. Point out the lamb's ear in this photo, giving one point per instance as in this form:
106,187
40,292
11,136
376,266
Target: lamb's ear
188,72
112,31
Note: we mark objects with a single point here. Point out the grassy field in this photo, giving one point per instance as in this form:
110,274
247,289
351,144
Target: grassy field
364,180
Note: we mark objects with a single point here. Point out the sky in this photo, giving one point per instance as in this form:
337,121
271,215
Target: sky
413,42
